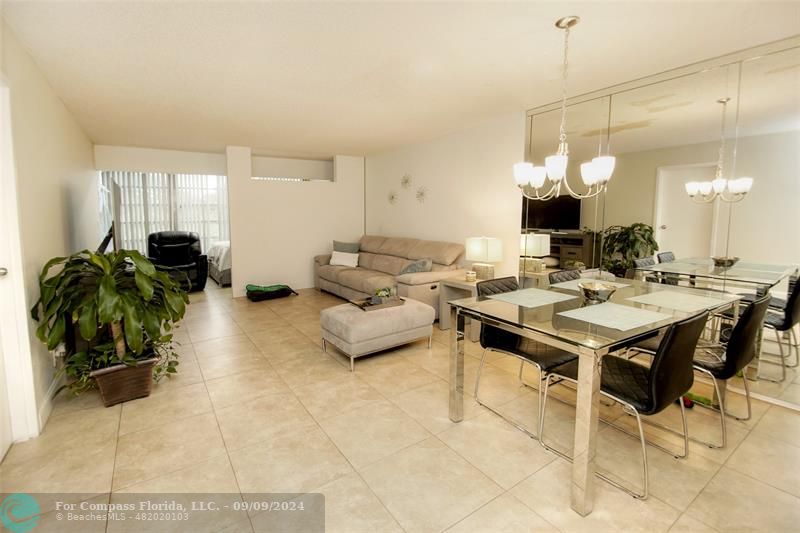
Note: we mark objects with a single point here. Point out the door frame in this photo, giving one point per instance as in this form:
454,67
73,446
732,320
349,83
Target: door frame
660,178
17,356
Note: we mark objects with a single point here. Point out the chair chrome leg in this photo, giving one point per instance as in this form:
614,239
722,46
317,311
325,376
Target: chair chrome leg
521,363
511,421
685,431
478,377
747,397
793,342
781,362
324,346
720,410
646,475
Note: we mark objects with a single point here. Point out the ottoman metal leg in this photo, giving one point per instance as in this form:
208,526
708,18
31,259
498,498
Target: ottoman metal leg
430,340
352,359
324,346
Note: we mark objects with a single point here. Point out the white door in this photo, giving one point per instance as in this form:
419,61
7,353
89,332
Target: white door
681,225
18,414
5,413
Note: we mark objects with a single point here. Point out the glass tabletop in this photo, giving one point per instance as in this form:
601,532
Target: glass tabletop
572,321
741,272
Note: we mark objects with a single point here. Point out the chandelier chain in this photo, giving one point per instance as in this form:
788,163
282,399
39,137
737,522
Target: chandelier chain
721,158
564,70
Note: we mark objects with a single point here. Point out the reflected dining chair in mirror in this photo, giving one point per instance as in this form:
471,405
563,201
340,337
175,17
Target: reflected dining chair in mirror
722,363
643,390
644,262
526,350
666,257
563,275
782,323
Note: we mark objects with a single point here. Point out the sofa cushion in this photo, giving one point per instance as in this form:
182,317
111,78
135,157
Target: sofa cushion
389,264
398,246
348,247
420,265
371,243
331,272
363,280
444,253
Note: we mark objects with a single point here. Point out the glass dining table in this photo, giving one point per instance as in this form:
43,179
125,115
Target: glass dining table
560,317
742,274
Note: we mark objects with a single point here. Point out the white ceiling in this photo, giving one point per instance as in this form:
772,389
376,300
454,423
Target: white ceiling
303,79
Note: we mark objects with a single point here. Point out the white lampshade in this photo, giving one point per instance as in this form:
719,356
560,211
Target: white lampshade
556,166
692,188
539,175
740,186
719,185
484,249
705,187
604,166
523,173
589,173
534,245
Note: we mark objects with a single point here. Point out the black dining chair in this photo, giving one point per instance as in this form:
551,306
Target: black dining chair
495,339
785,322
775,302
641,389
666,257
722,363
644,262
563,275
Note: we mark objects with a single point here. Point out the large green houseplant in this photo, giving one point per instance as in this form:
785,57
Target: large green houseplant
121,304
623,244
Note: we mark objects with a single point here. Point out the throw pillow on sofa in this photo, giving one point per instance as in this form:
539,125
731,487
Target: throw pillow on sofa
344,259
420,265
348,247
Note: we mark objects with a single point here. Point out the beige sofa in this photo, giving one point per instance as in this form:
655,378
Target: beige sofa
380,261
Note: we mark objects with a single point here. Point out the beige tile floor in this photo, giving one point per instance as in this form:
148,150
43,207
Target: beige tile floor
258,407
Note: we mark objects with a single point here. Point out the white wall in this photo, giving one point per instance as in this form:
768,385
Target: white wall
470,187
154,160
764,225
278,227
56,186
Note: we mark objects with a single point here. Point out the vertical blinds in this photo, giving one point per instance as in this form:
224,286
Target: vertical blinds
156,201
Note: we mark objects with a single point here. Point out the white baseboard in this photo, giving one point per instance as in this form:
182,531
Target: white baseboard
47,403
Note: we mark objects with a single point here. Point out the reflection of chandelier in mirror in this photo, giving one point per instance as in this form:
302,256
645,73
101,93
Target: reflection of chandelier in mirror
594,174
708,191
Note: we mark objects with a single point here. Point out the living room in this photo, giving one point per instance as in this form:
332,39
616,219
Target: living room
328,222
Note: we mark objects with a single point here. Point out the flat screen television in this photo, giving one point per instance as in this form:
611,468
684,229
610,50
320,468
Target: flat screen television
561,213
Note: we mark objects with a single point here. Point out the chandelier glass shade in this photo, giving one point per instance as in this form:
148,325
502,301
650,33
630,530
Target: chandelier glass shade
726,190
595,174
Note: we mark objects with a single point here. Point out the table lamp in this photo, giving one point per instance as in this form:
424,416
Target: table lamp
484,250
534,245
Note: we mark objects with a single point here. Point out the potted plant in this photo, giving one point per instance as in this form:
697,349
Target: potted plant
623,244
124,307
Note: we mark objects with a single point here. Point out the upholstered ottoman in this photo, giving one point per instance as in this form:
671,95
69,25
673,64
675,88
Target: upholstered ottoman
356,332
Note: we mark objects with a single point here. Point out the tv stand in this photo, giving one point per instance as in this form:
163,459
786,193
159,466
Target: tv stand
572,246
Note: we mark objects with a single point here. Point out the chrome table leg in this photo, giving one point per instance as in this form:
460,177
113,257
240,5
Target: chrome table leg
458,325
585,444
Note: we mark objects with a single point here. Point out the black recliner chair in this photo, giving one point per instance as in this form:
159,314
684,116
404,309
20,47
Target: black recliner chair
179,252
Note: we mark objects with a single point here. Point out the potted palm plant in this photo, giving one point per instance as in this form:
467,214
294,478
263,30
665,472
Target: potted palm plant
124,308
623,244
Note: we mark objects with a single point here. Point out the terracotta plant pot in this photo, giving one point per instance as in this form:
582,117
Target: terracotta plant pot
120,383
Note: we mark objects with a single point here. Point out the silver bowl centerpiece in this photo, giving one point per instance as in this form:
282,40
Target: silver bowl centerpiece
596,291
724,262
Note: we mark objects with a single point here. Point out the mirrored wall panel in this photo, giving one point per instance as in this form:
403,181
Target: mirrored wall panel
673,136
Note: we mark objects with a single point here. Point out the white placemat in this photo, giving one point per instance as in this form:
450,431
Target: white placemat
572,285
677,300
615,316
532,297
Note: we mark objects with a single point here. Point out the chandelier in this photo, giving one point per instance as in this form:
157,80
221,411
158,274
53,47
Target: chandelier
595,174
727,190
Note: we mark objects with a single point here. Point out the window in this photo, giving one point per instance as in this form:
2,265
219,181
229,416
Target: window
157,201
